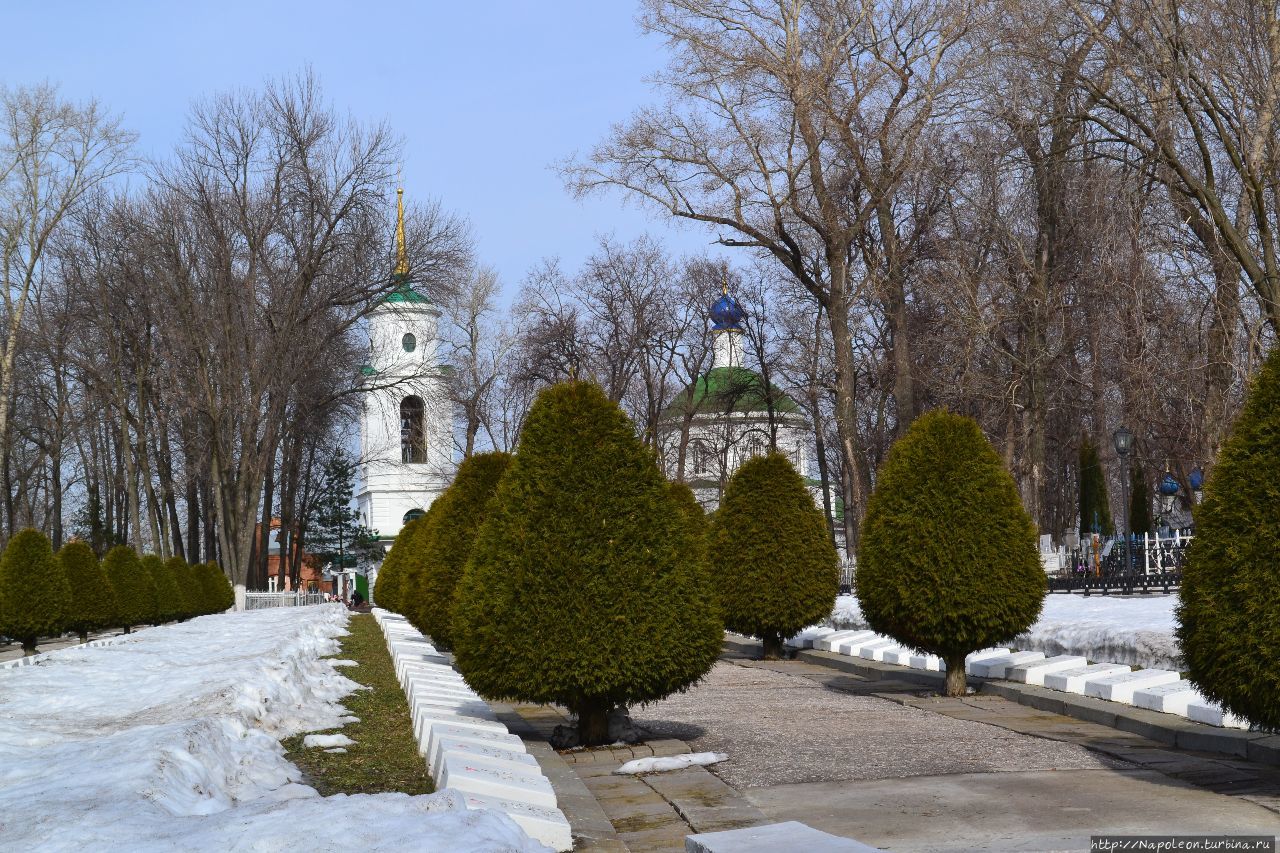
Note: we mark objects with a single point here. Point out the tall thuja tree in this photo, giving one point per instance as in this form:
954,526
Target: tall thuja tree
391,574
1139,501
92,602
34,598
219,595
134,588
438,558
1229,611
580,589
949,562
1095,507
775,566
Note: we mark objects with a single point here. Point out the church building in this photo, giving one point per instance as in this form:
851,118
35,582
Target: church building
406,431
728,415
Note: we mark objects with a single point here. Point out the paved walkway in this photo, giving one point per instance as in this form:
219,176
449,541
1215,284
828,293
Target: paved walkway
13,651
894,766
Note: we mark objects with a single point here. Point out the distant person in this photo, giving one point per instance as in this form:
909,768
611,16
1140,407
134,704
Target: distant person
356,599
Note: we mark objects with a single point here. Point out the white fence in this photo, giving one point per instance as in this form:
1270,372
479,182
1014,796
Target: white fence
262,600
847,567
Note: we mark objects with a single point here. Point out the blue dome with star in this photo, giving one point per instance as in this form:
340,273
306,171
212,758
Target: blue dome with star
727,315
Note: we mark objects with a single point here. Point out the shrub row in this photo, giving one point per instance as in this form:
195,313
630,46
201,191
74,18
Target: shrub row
43,594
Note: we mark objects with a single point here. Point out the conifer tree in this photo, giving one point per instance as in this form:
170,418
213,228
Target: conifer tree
169,604
1228,609
436,559
218,593
386,589
579,590
1095,507
1140,520
34,599
190,594
949,561
92,601
775,566
134,588
412,564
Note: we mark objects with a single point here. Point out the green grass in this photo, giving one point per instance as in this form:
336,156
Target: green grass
384,756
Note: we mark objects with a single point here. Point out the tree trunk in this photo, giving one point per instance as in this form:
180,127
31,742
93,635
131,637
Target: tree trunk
772,645
84,637
956,682
29,646
846,407
593,723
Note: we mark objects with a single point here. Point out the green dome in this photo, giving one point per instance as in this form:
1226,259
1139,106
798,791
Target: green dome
404,292
725,389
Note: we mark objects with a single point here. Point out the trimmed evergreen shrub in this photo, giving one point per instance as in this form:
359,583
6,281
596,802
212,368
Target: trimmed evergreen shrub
92,601
773,561
434,564
1095,507
135,590
386,589
218,593
949,561
169,604
1229,613
579,589
189,592
34,599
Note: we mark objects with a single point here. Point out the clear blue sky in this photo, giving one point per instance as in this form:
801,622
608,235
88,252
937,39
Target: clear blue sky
486,95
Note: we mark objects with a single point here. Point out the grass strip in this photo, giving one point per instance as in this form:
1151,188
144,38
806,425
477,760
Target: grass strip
384,756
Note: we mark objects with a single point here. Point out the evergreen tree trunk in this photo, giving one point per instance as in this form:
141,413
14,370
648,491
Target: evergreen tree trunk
956,683
772,645
84,637
29,646
593,723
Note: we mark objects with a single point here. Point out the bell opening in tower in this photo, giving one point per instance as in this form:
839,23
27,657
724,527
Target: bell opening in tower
413,434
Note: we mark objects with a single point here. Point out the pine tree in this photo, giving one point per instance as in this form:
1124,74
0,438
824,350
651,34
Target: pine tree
1228,611
948,562
334,525
436,560
1095,507
579,589
92,602
772,557
34,598
169,604
134,588
189,593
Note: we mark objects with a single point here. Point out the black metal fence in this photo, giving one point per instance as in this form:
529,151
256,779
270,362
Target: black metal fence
1152,564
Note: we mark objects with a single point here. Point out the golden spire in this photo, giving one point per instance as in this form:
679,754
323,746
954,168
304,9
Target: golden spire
402,257
724,282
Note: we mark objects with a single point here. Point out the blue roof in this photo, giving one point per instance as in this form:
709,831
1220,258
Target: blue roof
727,315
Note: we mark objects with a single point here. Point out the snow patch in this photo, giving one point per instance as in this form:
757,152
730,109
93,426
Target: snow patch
170,739
672,762
326,740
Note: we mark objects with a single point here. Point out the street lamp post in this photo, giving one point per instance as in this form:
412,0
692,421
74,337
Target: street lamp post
1123,440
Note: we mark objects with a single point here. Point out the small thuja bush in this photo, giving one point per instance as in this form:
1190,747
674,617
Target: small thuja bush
218,593
169,602
189,592
34,599
92,602
775,566
441,552
135,590
948,562
1229,613
580,588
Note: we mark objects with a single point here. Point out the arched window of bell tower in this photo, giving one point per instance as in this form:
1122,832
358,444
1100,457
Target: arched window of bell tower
413,433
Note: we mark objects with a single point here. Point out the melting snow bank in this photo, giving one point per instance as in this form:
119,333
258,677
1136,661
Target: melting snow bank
1133,630
169,739
672,762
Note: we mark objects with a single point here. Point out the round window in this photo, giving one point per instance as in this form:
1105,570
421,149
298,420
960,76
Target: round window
409,342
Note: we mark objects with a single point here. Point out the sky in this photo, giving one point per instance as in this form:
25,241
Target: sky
486,96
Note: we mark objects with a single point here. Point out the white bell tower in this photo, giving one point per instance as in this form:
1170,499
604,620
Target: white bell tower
406,432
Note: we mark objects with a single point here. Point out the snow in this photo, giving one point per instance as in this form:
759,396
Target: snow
1135,630
672,762
326,740
169,739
